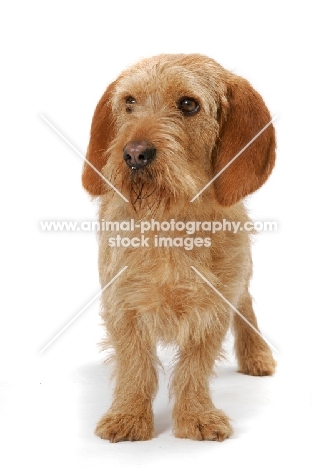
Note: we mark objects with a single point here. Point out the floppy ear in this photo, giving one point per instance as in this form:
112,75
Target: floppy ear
102,133
245,116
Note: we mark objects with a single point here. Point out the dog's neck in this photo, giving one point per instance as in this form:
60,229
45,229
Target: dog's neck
178,208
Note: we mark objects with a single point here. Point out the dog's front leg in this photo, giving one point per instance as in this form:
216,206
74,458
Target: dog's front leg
130,416
194,415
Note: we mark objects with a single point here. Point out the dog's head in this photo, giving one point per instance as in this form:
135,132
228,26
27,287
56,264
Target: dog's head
172,123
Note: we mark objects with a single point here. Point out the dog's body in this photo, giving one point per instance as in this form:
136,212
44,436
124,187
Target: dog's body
164,129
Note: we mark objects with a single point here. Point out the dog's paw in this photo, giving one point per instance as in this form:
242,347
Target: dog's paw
117,427
209,425
259,365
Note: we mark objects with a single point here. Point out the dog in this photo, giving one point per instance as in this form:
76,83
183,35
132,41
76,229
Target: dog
165,150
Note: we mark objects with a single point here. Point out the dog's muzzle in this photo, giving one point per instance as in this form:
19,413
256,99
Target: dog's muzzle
138,154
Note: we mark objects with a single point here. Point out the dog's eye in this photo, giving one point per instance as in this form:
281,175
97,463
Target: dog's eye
188,106
129,102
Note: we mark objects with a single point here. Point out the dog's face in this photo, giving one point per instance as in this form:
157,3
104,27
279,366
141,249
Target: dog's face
169,124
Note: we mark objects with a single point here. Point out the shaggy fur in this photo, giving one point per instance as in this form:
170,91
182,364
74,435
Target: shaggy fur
159,298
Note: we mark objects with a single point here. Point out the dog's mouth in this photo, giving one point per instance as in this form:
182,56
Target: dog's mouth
142,184
136,167
138,156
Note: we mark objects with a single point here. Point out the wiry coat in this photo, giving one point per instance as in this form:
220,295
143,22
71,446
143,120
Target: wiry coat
160,298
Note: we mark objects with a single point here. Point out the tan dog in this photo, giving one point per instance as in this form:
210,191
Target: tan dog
159,134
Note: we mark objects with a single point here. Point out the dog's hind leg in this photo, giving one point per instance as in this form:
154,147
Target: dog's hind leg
252,352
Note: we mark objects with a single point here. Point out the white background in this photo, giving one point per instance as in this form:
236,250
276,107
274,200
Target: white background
57,59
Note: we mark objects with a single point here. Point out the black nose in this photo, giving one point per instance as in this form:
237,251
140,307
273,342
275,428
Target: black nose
138,154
